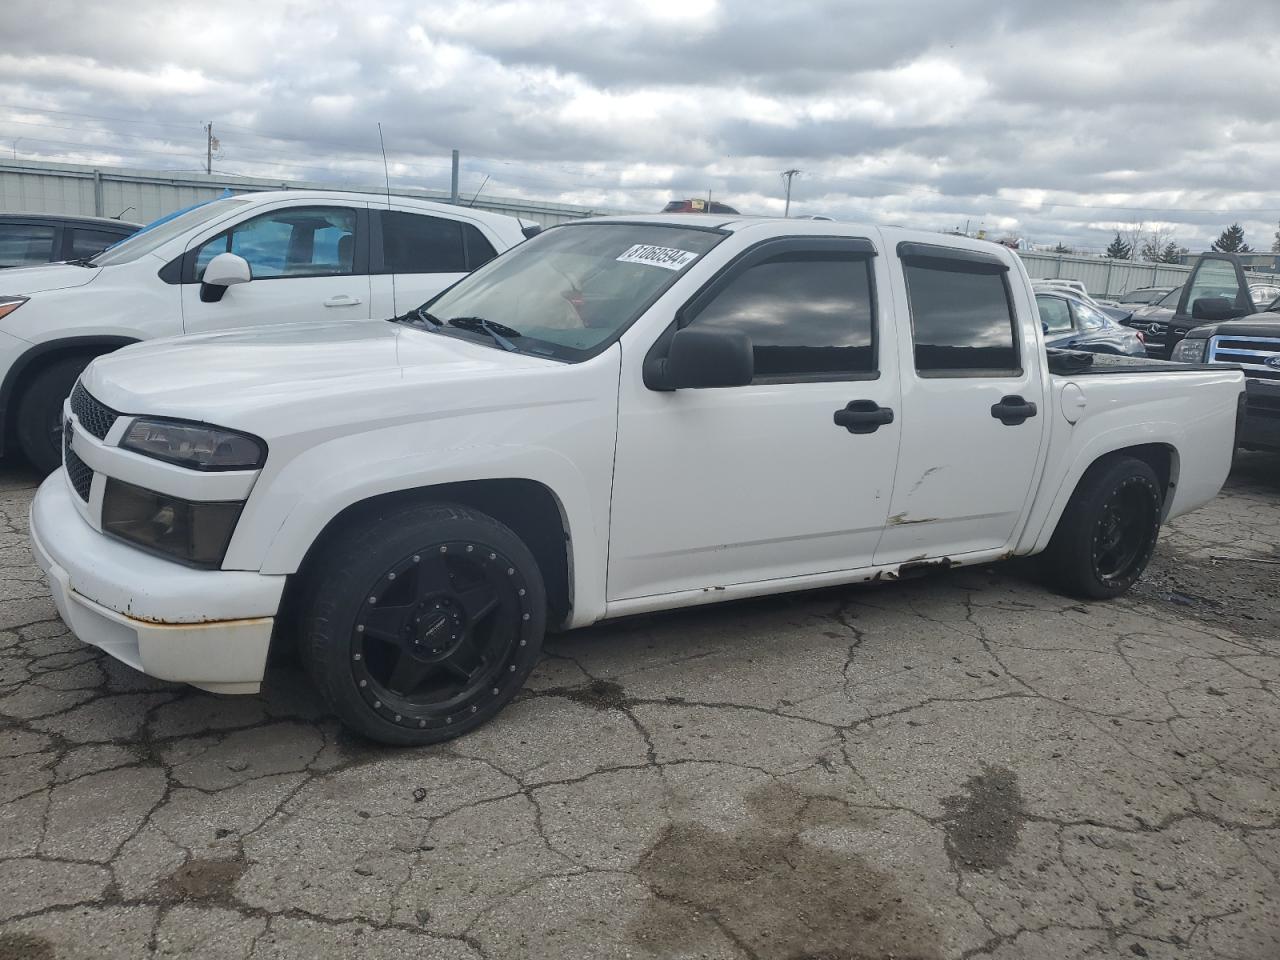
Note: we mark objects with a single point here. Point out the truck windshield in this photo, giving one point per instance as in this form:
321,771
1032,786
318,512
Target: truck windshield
152,238
572,288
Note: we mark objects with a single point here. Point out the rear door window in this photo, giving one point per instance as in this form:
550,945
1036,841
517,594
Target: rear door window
415,243
1054,314
962,321
23,244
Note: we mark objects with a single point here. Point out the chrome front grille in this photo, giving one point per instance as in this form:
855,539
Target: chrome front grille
78,472
96,417
1259,356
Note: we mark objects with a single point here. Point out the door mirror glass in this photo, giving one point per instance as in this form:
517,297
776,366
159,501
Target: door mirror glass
703,357
1213,309
227,269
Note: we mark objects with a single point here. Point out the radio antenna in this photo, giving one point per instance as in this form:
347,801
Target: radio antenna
386,177
477,196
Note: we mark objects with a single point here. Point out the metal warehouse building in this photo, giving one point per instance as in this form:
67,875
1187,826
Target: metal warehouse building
38,186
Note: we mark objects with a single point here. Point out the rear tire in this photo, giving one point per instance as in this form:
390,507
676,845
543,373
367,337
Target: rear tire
39,422
422,623
1108,531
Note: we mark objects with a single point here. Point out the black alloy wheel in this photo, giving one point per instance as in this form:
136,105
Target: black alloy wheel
1123,530
435,630
1108,531
425,623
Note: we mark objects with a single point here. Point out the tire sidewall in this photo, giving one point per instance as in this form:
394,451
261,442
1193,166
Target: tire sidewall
42,398
356,562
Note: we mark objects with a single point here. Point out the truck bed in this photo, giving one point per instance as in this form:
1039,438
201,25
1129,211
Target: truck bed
1077,363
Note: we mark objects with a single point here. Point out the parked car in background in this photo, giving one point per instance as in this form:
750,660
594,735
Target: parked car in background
1070,323
1217,289
1077,288
1251,342
1152,321
699,206
1142,296
28,239
1263,292
423,499
258,259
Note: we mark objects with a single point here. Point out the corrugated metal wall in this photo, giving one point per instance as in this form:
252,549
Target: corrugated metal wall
34,186
1104,277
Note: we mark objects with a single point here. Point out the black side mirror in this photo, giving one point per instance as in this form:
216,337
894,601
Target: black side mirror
702,357
1044,326
1213,309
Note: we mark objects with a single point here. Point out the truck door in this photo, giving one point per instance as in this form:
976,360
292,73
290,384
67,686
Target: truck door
786,476
972,412
1216,290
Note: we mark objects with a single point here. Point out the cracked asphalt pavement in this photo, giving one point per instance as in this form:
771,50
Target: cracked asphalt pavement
966,766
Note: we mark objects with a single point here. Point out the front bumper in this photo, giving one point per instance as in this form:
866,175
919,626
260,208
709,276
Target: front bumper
1260,428
208,628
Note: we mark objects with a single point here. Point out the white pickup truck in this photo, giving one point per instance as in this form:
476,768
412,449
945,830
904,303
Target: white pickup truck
258,259
619,416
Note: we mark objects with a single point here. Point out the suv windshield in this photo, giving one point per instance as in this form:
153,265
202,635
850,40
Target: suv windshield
572,288
152,238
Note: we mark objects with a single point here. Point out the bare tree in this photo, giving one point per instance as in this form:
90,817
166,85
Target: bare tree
1154,244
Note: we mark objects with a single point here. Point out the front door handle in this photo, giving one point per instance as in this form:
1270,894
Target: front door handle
342,300
1012,411
863,416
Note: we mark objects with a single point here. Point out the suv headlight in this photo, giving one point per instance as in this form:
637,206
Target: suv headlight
1190,351
196,534
197,446
10,304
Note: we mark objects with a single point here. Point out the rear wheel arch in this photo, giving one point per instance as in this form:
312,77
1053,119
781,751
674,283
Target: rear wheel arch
529,508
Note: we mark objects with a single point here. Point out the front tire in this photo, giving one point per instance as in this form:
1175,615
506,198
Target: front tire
39,423
1108,532
423,623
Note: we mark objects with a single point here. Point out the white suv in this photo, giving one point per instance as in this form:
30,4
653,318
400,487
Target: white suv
264,258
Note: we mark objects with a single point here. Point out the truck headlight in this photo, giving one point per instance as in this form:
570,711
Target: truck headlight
1190,351
193,533
194,445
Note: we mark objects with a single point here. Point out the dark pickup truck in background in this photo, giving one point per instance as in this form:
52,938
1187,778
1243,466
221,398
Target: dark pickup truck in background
1217,322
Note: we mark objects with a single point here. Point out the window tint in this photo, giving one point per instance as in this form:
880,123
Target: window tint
412,243
295,242
87,243
1054,314
22,243
960,318
806,314
479,250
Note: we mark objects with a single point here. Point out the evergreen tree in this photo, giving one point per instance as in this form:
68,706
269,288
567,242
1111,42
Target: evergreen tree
1172,253
1275,244
1063,248
1119,250
1231,240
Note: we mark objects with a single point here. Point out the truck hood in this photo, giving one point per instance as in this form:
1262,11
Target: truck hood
249,376
1254,325
23,281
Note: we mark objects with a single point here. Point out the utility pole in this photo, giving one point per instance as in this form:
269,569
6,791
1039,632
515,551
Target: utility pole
453,190
210,144
788,176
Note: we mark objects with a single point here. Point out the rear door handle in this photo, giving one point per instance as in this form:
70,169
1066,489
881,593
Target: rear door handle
342,300
1012,411
863,416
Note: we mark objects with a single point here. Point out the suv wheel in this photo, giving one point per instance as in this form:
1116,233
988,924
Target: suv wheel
39,423
423,623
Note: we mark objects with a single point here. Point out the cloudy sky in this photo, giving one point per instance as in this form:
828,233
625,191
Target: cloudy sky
1056,121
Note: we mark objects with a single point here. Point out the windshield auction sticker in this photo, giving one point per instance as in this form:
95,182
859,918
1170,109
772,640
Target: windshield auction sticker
669,258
